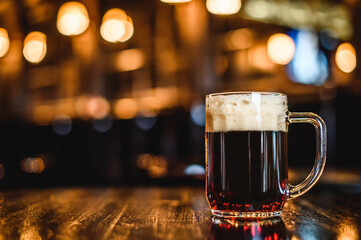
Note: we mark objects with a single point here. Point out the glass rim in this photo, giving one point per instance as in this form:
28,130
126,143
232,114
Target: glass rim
245,93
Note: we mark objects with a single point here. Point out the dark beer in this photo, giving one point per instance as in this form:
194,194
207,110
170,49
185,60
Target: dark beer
246,170
246,154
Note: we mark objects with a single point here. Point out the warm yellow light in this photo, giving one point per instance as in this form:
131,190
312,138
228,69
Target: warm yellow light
126,108
239,39
223,7
116,26
130,59
347,230
98,107
112,30
72,19
346,57
257,57
129,30
175,1
149,106
4,42
156,165
280,48
43,114
35,47
32,165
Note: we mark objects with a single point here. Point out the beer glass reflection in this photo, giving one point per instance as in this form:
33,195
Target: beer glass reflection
236,229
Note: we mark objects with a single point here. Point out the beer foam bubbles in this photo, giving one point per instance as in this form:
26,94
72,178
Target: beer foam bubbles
246,112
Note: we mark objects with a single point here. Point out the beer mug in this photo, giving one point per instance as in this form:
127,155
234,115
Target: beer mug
246,154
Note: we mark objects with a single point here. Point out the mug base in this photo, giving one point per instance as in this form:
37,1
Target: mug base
245,215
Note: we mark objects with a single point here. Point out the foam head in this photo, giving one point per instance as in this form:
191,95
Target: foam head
246,112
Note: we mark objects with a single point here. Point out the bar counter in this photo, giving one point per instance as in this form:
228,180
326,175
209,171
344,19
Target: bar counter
169,213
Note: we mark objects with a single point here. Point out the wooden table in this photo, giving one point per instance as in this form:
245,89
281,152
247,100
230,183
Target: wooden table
167,213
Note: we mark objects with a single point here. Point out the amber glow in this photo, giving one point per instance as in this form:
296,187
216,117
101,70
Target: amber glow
72,19
149,106
81,106
130,59
43,114
65,106
175,1
280,48
112,30
223,7
29,232
125,108
4,42
116,26
346,57
155,165
32,165
257,57
239,39
347,230
35,47
129,30
97,107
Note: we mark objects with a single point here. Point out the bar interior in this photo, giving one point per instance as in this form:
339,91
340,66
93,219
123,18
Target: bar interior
103,102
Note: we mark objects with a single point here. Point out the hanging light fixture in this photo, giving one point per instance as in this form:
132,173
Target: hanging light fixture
4,42
116,26
223,7
35,48
72,19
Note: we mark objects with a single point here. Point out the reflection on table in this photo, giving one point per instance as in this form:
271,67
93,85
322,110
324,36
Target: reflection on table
326,212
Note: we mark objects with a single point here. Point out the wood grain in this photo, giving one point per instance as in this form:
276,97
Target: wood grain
166,213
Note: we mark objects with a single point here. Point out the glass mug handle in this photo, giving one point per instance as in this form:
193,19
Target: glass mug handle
321,145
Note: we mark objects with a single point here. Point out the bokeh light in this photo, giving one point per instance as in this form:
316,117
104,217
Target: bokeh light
309,65
129,30
97,107
157,166
125,108
149,106
35,48
43,114
258,58
72,19
223,7
259,9
346,57
112,30
116,26
145,123
62,124
103,125
130,59
239,39
4,42
32,165
175,1
198,114
194,170
280,48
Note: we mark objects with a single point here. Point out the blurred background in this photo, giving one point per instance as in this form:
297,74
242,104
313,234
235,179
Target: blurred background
107,92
